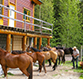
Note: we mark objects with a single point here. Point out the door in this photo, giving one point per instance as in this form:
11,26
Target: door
11,15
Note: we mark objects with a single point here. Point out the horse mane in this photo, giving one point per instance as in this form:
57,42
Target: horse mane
59,47
36,50
46,49
18,51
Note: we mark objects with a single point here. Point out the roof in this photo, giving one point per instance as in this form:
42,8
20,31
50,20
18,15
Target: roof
39,2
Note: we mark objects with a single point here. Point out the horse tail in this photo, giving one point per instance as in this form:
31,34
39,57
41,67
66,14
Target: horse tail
63,58
30,70
44,65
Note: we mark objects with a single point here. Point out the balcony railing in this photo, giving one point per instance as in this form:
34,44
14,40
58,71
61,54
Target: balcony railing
43,27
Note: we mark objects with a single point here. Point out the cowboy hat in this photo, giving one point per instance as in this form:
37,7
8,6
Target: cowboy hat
74,47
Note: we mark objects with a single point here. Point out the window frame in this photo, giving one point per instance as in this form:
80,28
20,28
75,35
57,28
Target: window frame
28,11
2,9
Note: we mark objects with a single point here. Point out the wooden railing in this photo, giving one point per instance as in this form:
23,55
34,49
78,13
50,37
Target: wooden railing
43,27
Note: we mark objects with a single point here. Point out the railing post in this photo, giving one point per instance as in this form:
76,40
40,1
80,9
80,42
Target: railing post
24,22
52,30
41,27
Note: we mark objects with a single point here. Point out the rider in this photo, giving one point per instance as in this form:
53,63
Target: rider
75,56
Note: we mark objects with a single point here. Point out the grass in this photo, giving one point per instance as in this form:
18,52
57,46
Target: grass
55,75
66,70
8,74
67,63
79,70
81,76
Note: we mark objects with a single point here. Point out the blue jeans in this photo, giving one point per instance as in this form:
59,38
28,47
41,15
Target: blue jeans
75,59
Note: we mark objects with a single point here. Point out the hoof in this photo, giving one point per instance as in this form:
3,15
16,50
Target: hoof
45,74
49,65
38,74
54,69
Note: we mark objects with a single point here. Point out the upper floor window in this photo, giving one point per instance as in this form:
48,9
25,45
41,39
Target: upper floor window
27,12
1,7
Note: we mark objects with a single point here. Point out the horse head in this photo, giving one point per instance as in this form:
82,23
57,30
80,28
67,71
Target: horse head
29,48
45,49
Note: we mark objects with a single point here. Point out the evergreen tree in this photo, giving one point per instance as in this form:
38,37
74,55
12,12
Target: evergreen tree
56,40
45,12
67,24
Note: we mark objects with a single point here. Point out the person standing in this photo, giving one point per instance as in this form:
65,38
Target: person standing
75,57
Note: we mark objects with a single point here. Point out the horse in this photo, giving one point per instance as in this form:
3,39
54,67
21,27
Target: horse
48,55
22,61
59,51
52,48
68,51
37,56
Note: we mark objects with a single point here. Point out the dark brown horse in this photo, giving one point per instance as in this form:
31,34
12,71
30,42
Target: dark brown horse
66,50
22,61
37,56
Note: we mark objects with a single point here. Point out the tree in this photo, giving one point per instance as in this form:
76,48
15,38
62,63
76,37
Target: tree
56,40
45,12
68,22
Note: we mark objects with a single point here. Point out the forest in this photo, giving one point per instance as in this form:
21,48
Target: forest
67,19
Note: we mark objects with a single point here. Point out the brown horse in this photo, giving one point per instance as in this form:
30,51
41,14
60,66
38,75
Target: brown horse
21,61
48,55
60,53
37,56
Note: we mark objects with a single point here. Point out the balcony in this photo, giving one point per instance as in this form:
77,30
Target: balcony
43,29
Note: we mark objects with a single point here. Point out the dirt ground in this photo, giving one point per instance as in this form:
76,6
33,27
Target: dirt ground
61,72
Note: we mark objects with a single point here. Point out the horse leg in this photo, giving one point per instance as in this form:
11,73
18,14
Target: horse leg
49,62
55,65
5,71
25,72
40,67
44,65
63,58
59,59
30,70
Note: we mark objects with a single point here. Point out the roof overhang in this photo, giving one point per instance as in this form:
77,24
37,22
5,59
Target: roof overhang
39,2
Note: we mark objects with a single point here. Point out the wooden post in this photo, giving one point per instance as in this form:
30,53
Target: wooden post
24,43
40,43
8,44
48,41
35,42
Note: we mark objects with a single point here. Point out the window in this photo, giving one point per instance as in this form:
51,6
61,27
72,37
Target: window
1,7
27,12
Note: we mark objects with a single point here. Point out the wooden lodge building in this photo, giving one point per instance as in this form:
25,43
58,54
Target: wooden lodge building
17,28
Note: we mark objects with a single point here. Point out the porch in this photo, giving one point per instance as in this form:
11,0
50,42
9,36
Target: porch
43,30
